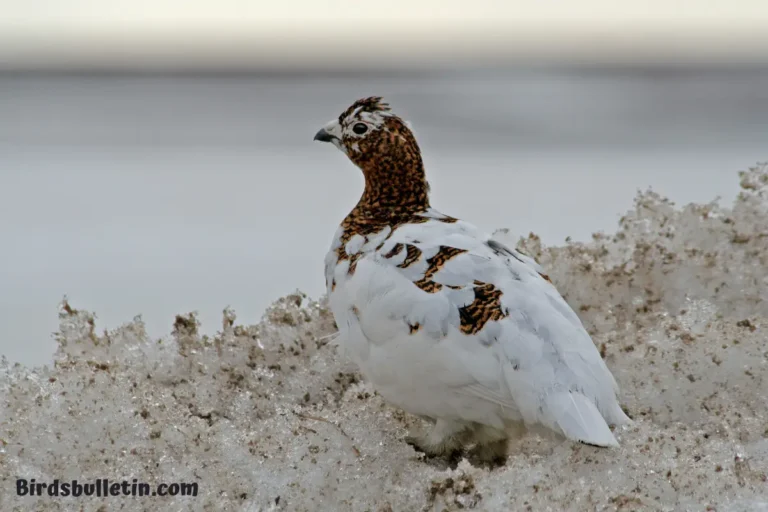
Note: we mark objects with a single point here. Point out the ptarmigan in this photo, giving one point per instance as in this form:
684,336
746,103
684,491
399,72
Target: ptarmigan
447,323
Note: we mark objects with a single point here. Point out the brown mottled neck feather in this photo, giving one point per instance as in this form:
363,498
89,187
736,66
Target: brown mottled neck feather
396,187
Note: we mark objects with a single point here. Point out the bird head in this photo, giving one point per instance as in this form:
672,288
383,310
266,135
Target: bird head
383,146
365,123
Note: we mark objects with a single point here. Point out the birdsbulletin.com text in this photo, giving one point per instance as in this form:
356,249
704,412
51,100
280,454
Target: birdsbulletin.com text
102,487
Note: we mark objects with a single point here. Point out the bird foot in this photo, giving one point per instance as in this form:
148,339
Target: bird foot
444,439
432,448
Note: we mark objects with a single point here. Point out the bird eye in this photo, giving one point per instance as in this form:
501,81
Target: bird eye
360,128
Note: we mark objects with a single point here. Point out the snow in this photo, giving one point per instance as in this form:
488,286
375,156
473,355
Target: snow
271,417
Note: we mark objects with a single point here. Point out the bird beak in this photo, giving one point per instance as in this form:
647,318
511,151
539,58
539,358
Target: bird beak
331,132
323,136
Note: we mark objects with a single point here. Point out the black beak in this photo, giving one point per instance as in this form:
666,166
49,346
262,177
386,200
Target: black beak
324,136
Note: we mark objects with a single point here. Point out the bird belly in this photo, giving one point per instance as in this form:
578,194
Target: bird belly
411,374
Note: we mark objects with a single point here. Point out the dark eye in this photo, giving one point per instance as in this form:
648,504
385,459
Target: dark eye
360,128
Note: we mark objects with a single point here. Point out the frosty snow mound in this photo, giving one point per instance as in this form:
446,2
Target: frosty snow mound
270,417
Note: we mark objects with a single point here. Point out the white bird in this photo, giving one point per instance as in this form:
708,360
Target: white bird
447,323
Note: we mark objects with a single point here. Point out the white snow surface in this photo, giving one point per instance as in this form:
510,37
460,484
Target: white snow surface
271,417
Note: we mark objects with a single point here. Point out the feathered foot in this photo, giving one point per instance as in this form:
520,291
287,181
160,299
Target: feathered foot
445,438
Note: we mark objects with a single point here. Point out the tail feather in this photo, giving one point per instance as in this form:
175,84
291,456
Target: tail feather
618,417
578,418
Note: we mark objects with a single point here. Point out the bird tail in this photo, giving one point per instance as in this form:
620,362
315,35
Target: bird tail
578,418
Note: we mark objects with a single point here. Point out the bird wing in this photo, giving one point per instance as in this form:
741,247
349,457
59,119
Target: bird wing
481,317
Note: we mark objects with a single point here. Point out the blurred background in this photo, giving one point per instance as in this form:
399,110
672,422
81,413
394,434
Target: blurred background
156,157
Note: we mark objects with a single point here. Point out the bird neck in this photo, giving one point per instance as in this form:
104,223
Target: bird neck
398,186
390,199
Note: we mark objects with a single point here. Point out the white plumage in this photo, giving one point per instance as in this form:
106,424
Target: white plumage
450,325
537,364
